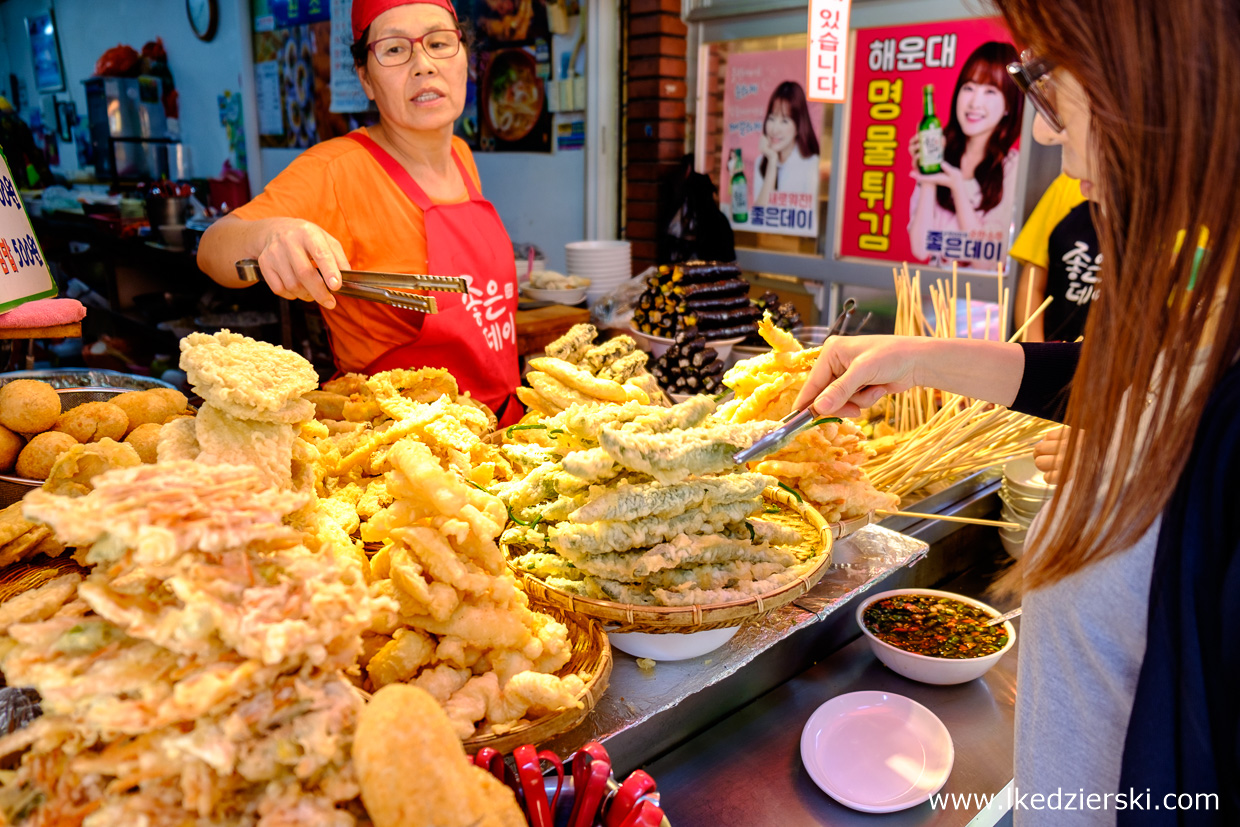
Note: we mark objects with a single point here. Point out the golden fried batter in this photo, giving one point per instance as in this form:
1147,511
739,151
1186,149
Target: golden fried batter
28,406
247,378
145,440
10,446
37,458
414,773
93,421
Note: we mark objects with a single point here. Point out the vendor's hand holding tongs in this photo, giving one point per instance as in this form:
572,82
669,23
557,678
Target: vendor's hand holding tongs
797,421
385,288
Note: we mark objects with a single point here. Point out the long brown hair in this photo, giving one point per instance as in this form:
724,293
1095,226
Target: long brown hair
1165,102
792,96
988,65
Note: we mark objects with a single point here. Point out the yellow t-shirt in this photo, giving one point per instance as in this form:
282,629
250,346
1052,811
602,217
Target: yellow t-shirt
339,186
1060,198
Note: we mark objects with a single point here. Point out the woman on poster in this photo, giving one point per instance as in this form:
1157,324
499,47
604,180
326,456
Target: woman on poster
976,188
789,147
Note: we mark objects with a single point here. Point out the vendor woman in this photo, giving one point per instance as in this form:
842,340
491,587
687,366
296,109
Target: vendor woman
401,196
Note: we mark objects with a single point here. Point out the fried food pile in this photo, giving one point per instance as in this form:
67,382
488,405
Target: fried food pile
823,463
644,505
195,675
414,772
359,419
400,477
576,371
252,408
460,628
35,432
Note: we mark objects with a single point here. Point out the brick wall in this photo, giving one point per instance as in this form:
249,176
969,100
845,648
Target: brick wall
654,115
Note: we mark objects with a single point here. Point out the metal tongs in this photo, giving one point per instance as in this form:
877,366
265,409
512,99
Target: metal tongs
385,288
797,421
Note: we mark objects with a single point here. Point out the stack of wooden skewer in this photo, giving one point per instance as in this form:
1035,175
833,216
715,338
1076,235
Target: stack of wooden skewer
941,436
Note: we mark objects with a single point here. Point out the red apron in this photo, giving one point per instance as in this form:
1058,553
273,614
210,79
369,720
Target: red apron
473,336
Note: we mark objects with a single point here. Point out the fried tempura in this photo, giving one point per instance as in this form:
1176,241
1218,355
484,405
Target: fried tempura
414,773
249,379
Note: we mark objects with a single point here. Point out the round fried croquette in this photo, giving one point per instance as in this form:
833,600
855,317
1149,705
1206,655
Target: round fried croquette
11,445
145,440
28,406
93,421
40,454
155,405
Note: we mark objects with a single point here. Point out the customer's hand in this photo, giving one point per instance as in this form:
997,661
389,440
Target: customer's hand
301,260
854,372
1050,454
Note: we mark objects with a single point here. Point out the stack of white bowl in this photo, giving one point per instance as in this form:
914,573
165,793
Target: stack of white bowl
1024,491
607,264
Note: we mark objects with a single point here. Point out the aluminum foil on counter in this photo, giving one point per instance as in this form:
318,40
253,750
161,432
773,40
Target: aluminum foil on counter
634,695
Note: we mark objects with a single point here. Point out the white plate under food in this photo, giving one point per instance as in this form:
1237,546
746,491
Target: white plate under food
671,646
573,296
877,752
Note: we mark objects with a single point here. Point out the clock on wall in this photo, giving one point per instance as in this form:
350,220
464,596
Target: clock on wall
204,16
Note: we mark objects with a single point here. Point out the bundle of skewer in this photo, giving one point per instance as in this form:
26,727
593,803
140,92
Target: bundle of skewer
941,436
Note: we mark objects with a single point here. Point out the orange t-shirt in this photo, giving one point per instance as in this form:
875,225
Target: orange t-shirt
339,186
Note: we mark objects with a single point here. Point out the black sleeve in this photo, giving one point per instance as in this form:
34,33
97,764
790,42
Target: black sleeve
1044,387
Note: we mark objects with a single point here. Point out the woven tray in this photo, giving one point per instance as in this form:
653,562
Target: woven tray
592,655
621,617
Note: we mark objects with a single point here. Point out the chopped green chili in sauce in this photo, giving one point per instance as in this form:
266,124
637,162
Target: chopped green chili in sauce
935,626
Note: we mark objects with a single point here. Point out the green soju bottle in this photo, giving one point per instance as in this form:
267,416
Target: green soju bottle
929,138
740,189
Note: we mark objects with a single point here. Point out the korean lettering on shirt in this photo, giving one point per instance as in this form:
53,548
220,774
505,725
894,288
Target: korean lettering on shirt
878,157
828,51
491,309
1082,270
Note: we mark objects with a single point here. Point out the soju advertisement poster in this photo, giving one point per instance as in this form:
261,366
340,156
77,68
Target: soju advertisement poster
771,133
933,131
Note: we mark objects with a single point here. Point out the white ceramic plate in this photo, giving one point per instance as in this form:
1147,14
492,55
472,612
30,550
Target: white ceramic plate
877,752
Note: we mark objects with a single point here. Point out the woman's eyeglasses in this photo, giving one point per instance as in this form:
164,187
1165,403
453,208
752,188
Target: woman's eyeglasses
397,50
1033,75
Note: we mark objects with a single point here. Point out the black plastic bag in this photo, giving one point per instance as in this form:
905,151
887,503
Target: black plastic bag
691,226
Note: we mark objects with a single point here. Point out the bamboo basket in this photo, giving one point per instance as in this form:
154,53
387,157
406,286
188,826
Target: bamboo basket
621,617
592,655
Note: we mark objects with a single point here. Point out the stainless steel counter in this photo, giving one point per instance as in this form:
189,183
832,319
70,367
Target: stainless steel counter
747,770
697,724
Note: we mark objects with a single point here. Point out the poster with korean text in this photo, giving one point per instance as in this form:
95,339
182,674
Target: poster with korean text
23,272
933,143
771,151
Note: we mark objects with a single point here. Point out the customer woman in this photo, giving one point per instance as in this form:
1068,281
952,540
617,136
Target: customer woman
1130,653
789,146
401,196
976,188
